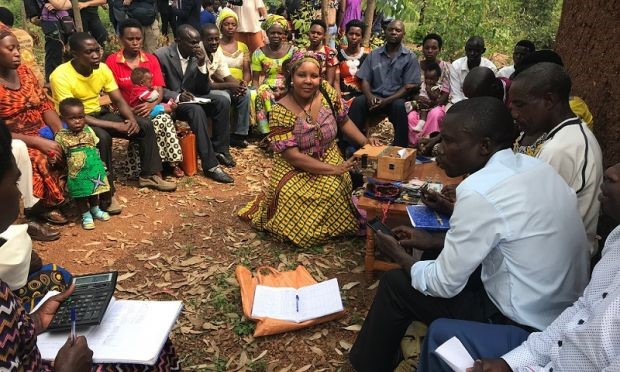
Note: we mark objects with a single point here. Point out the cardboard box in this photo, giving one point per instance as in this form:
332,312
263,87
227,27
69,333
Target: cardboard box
372,153
391,166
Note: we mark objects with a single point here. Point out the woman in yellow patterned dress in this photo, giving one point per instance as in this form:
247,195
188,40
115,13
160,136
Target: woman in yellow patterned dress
308,200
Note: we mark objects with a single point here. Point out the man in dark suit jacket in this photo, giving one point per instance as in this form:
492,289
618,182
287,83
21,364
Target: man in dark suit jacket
188,12
183,64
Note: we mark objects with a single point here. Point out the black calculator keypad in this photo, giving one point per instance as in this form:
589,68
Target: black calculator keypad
90,302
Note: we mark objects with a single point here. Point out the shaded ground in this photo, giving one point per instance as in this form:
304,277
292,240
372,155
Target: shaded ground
186,245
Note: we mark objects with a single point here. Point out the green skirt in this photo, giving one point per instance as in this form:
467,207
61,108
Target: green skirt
87,174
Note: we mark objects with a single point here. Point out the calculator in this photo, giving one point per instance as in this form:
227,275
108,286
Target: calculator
91,297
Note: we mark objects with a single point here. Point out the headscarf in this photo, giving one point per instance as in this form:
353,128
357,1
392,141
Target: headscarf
273,19
225,13
303,55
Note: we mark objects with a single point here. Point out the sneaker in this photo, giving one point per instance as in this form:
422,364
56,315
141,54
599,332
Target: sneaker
157,183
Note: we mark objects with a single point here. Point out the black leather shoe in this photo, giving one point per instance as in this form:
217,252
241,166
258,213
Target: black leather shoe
219,175
225,160
40,232
238,141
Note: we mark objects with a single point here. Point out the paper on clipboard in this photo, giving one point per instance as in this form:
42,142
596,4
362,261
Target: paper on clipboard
197,100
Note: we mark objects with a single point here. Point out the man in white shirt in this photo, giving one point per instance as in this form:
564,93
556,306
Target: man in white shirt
553,133
474,48
585,337
225,85
520,51
513,215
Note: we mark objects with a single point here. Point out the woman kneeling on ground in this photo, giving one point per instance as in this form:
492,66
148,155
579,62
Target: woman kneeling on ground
308,200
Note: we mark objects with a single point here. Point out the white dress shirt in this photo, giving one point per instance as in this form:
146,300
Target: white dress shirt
586,336
519,219
575,154
506,71
458,72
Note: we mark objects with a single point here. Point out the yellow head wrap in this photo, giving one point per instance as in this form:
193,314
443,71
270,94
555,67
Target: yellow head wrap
274,19
225,13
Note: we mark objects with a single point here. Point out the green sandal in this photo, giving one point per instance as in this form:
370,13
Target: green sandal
87,221
99,214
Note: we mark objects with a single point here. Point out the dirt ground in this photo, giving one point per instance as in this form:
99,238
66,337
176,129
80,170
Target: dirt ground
185,245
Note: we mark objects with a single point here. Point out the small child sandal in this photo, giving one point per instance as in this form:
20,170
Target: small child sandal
99,214
87,221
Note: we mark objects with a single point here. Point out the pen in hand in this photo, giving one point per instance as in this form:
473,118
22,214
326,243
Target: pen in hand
73,322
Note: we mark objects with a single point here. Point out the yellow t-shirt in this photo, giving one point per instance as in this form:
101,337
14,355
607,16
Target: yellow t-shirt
66,82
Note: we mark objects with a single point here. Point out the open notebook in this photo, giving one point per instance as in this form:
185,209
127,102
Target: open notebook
130,332
297,305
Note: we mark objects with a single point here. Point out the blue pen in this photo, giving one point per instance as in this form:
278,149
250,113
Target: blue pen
73,321
297,302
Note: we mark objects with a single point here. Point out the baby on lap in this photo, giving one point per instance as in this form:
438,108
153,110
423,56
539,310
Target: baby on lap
143,91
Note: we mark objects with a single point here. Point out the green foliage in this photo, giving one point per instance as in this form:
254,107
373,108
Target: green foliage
304,16
244,327
501,22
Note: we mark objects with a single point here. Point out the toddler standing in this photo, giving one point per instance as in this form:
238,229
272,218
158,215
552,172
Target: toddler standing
87,176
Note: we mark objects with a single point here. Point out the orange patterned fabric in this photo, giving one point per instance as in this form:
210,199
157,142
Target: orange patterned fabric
22,111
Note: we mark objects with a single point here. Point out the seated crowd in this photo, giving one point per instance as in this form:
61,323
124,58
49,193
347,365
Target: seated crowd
512,283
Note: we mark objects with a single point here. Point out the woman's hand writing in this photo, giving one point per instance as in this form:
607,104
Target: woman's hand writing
74,356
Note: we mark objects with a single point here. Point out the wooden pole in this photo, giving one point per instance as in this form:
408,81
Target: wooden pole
77,16
369,16
22,10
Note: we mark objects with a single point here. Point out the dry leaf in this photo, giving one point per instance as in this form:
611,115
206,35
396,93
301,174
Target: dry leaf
374,285
125,276
192,261
317,351
304,368
315,336
354,327
345,345
260,356
348,286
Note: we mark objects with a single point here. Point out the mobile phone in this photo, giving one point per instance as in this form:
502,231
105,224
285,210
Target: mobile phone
376,225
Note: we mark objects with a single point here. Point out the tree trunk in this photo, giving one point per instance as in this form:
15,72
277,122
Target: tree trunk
324,6
77,16
369,17
587,40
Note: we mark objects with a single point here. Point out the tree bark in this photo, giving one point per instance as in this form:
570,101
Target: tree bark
77,16
369,17
587,40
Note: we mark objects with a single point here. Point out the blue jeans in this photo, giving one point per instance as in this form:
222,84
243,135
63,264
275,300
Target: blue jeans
241,121
481,340
332,32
